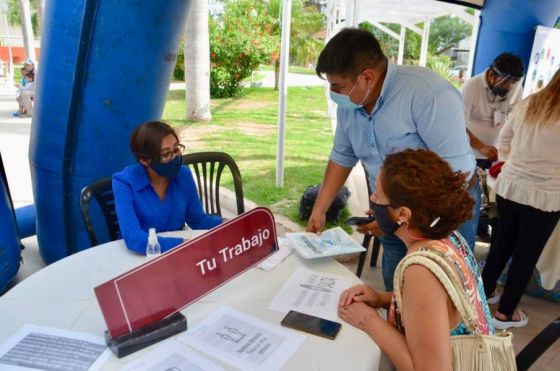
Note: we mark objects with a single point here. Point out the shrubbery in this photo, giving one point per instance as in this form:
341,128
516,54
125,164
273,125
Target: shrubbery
241,39
237,48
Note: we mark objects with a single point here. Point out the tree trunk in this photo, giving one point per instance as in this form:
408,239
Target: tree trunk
27,30
197,62
276,73
40,14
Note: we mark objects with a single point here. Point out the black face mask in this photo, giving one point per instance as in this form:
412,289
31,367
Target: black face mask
502,92
387,226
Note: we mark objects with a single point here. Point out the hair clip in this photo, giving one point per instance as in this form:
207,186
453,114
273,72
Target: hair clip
434,222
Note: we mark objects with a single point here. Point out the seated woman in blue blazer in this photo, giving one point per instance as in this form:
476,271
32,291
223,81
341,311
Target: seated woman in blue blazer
157,192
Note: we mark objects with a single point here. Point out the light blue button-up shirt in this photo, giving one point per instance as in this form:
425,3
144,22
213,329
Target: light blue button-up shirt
417,108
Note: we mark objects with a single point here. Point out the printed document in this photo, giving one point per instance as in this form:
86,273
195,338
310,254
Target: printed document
331,242
243,341
311,292
44,348
174,356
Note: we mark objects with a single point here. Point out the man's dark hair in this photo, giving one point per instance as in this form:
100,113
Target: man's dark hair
146,140
509,63
349,52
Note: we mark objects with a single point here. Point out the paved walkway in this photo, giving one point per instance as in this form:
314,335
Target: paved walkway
294,79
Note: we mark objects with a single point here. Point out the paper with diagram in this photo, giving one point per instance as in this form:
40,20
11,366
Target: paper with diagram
175,356
243,341
312,292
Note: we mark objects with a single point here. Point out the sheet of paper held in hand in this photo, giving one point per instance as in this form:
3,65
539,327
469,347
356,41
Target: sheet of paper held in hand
243,341
331,242
311,292
172,356
44,348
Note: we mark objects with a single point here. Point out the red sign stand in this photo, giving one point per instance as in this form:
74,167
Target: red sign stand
163,286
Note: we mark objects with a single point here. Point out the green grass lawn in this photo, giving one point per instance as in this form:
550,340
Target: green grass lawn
246,128
291,69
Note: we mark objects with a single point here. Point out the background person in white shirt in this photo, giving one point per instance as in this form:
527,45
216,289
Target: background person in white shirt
488,99
527,196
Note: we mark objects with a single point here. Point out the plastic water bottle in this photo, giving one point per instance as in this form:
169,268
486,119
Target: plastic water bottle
153,250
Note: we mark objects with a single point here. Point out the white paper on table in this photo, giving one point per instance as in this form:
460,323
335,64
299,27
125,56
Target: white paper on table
243,341
285,248
331,242
36,348
311,292
172,355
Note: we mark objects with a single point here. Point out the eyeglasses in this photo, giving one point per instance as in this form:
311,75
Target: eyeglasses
170,155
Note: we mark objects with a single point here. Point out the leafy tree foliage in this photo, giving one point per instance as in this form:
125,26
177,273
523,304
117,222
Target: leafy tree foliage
14,15
444,33
241,39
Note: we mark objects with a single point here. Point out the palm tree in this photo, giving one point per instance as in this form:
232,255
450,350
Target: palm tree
27,30
197,62
40,13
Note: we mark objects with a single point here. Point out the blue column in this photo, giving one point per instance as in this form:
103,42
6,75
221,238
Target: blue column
509,26
105,68
10,251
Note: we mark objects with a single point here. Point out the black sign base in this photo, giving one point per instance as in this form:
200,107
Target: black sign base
145,336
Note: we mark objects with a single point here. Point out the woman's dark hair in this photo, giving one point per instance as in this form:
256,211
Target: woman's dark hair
349,52
146,139
426,184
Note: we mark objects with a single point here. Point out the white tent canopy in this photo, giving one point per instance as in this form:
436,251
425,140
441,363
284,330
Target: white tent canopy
408,13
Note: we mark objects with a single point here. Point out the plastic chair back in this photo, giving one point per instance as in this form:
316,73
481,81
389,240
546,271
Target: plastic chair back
102,191
368,237
207,167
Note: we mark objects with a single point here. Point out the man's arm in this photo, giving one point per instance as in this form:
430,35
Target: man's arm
333,180
490,152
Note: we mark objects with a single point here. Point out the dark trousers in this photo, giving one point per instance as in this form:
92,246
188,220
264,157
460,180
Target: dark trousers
483,163
522,234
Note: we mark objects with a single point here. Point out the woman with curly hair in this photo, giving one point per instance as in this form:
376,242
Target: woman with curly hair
419,199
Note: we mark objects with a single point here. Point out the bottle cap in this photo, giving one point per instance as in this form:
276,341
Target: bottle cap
152,238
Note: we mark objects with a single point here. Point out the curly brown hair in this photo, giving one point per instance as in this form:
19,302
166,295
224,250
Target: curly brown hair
426,184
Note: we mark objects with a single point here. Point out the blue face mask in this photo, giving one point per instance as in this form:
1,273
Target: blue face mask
167,169
344,101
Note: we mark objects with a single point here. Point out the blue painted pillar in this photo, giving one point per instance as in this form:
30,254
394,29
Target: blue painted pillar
105,68
509,26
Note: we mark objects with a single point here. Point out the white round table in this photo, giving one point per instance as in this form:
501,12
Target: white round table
61,296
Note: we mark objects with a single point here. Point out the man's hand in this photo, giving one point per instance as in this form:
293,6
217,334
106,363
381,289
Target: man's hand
316,222
490,152
370,228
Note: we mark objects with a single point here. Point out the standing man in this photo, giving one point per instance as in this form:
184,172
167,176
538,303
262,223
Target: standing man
489,98
384,108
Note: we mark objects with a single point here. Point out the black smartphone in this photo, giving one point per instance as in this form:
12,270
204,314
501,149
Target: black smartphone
311,324
358,220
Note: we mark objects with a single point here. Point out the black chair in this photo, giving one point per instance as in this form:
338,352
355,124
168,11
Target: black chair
208,168
488,215
368,238
102,191
538,345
